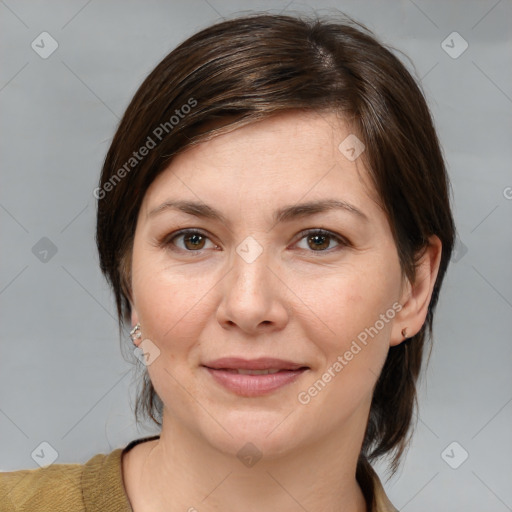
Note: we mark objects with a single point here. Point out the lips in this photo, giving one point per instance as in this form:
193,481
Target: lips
263,363
242,371
254,377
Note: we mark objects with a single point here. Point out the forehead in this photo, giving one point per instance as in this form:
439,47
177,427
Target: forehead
284,158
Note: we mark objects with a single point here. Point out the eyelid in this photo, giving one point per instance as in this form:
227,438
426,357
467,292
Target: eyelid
342,241
166,241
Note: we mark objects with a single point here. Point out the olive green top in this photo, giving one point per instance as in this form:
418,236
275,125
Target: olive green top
91,487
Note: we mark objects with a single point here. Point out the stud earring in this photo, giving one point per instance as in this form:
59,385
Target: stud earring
136,335
404,332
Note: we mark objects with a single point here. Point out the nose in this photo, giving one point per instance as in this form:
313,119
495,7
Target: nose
253,297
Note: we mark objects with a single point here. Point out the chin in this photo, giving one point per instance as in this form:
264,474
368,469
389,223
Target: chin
255,433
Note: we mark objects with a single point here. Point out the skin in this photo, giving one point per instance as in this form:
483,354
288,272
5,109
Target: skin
294,301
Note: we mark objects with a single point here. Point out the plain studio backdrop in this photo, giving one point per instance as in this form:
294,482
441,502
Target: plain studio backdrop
68,72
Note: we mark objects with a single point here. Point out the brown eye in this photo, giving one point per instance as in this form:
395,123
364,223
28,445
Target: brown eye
187,240
320,240
194,241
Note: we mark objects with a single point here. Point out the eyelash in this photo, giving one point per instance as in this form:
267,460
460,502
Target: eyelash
167,241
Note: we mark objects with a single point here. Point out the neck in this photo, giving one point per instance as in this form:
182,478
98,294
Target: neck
180,472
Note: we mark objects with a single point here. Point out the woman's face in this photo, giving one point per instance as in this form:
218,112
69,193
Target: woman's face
256,286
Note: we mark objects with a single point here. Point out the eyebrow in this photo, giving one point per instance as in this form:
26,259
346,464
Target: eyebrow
285,214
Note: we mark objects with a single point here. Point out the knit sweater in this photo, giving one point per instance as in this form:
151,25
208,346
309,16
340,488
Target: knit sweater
94,486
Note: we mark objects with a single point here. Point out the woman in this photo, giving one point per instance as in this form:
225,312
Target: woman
274,219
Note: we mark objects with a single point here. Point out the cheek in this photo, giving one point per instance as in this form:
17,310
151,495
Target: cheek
172,305
172,311
351,330
166,305
351,315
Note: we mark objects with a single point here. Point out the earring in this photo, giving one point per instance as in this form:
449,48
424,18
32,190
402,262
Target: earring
136,335
404,332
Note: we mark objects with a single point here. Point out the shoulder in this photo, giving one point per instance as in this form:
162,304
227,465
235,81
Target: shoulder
56,486
64,487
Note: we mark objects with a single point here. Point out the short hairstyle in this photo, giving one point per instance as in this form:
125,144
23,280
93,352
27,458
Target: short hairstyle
246,69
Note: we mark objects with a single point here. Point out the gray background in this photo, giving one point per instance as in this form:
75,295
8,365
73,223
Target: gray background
64,378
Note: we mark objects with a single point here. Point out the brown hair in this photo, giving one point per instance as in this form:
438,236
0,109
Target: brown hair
248,68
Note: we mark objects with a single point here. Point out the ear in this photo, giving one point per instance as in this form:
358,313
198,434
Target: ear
134,316
415,297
